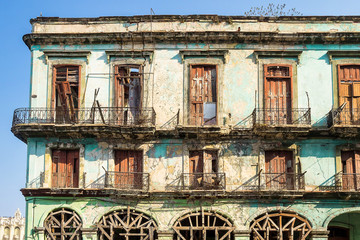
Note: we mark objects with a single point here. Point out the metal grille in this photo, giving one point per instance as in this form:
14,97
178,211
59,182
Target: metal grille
127,180
203,181
116,116
282,116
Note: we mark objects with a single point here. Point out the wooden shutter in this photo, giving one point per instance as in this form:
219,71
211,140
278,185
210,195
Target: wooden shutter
278,93
349,92
196,162
279,169
129,165
65,168
203,91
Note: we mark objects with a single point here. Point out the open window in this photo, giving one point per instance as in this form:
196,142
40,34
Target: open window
65,168
128,88
349,93
203,170
279,170
66,93
203,95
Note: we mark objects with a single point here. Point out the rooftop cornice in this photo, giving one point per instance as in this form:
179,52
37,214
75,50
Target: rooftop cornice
191,37
195,18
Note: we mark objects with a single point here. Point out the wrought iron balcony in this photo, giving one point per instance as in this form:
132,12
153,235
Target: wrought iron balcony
283,181
281,116
114,116
62,180
203,181
347,182
344,117
127,180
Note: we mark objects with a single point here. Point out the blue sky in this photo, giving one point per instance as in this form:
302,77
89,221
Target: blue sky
15,59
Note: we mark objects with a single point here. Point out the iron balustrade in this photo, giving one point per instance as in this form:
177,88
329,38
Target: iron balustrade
347,181
203,181
127,180
344,116
116,116
282,116
282,181
63,180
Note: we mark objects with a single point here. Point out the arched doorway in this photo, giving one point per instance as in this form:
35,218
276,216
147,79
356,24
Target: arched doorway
345,227
127,224
203,226
280,226
64,224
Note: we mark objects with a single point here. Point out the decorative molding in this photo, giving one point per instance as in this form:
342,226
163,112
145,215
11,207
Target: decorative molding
278,54
130,54
66,53
343,53
204,53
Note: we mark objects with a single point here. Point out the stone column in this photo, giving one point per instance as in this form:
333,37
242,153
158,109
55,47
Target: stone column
165,235
89,234
242,234
319,234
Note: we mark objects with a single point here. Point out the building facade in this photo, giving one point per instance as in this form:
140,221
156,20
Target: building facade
12,228
193,127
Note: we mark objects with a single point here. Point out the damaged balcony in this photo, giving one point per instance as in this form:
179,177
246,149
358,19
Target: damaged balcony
127,181
95,121
281,120
343,182
344,121
203,181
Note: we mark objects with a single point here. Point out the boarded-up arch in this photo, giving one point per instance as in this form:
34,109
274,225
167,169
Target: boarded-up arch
63,224
280,226
127,224
203,225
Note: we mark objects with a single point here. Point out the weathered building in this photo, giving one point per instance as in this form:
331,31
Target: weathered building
12,228
193,127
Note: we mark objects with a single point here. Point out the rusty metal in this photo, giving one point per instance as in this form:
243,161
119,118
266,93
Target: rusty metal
127,224
203,225
63,180
281,226
203,181
127,180
282,116
115,116
63,224
347,182
283,181
343,117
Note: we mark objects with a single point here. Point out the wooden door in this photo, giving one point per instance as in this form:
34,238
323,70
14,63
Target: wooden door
278,94
196,168
128,84
65,99
349,93
279,170
203,95
128,169
351,170
65,168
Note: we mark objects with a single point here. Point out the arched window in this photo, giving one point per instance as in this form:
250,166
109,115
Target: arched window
17,233
280,226
6,235
63,224
127,224
203,225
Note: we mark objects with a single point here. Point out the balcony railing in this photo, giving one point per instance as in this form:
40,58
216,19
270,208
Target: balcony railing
116,116
347,181
127,180
347,116
203,181
281,116
282,181
63,180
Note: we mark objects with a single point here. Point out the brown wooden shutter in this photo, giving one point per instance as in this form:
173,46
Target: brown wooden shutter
196,162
